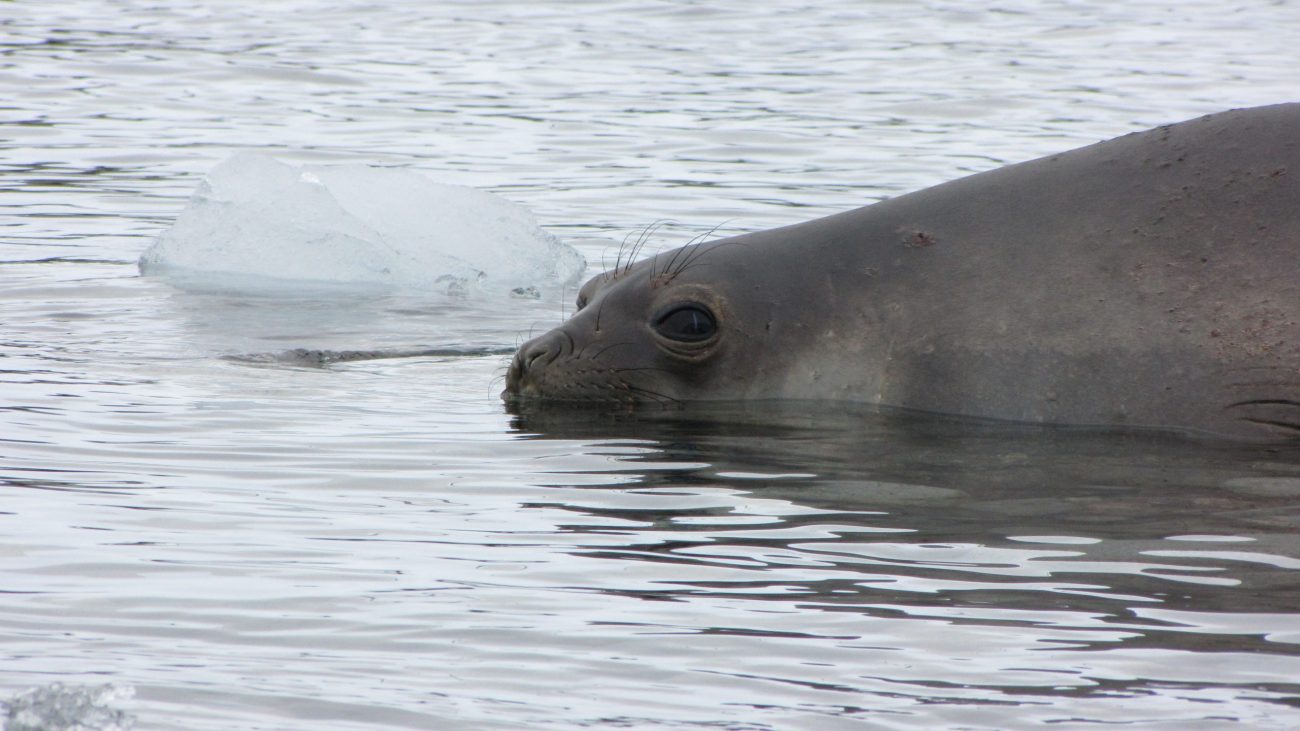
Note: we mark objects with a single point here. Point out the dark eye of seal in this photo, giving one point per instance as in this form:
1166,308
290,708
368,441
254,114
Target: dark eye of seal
687,324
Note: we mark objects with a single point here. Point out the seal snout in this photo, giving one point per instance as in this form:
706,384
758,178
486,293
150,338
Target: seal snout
531,357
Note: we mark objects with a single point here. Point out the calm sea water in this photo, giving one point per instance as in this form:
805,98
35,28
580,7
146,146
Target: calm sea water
264,543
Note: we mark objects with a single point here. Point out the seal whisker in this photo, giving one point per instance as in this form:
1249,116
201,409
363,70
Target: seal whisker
1273,422
695,255
690,256
581,353
672,260
634,370
660,398
622,267
618,261
694,244
609,347
1265,402
636,250
701,238
683,252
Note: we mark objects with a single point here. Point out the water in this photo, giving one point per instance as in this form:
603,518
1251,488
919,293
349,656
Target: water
209,507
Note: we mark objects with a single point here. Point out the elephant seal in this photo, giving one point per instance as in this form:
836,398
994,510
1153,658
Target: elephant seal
1152,280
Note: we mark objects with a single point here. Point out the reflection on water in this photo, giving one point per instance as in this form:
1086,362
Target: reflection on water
1087,564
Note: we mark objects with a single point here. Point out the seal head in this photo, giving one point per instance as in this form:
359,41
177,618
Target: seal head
658,331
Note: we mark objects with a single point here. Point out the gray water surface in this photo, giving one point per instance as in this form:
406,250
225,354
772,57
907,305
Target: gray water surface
206,502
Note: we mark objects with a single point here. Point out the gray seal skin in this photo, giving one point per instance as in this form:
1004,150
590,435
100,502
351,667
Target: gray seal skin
1152,280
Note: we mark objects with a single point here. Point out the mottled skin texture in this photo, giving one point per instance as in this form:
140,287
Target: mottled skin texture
1152,280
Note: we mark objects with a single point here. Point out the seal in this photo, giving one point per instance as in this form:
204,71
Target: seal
1152,280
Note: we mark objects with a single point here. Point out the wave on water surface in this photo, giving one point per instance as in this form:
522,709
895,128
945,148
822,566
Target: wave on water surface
259,224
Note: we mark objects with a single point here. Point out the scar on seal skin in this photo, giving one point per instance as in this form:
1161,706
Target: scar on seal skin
1152,280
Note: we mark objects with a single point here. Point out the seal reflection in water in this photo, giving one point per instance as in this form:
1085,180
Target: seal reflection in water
1152,280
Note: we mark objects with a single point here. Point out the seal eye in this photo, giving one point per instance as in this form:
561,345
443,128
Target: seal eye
687,324
582,301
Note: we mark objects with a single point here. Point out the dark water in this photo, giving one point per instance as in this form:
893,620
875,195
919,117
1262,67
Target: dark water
217,502
1074,576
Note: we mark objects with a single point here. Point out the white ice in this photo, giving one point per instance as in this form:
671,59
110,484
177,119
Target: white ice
259,223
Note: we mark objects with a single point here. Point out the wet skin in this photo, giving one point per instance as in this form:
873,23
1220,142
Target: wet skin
1152,280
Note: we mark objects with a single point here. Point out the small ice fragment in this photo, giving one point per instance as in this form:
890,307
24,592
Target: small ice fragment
59,707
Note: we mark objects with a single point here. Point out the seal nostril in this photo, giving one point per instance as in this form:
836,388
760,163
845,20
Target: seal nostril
527,374
534,354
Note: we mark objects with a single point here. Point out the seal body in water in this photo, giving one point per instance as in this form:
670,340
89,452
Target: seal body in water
1152,280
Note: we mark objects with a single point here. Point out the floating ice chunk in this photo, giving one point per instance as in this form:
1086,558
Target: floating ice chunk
259,223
